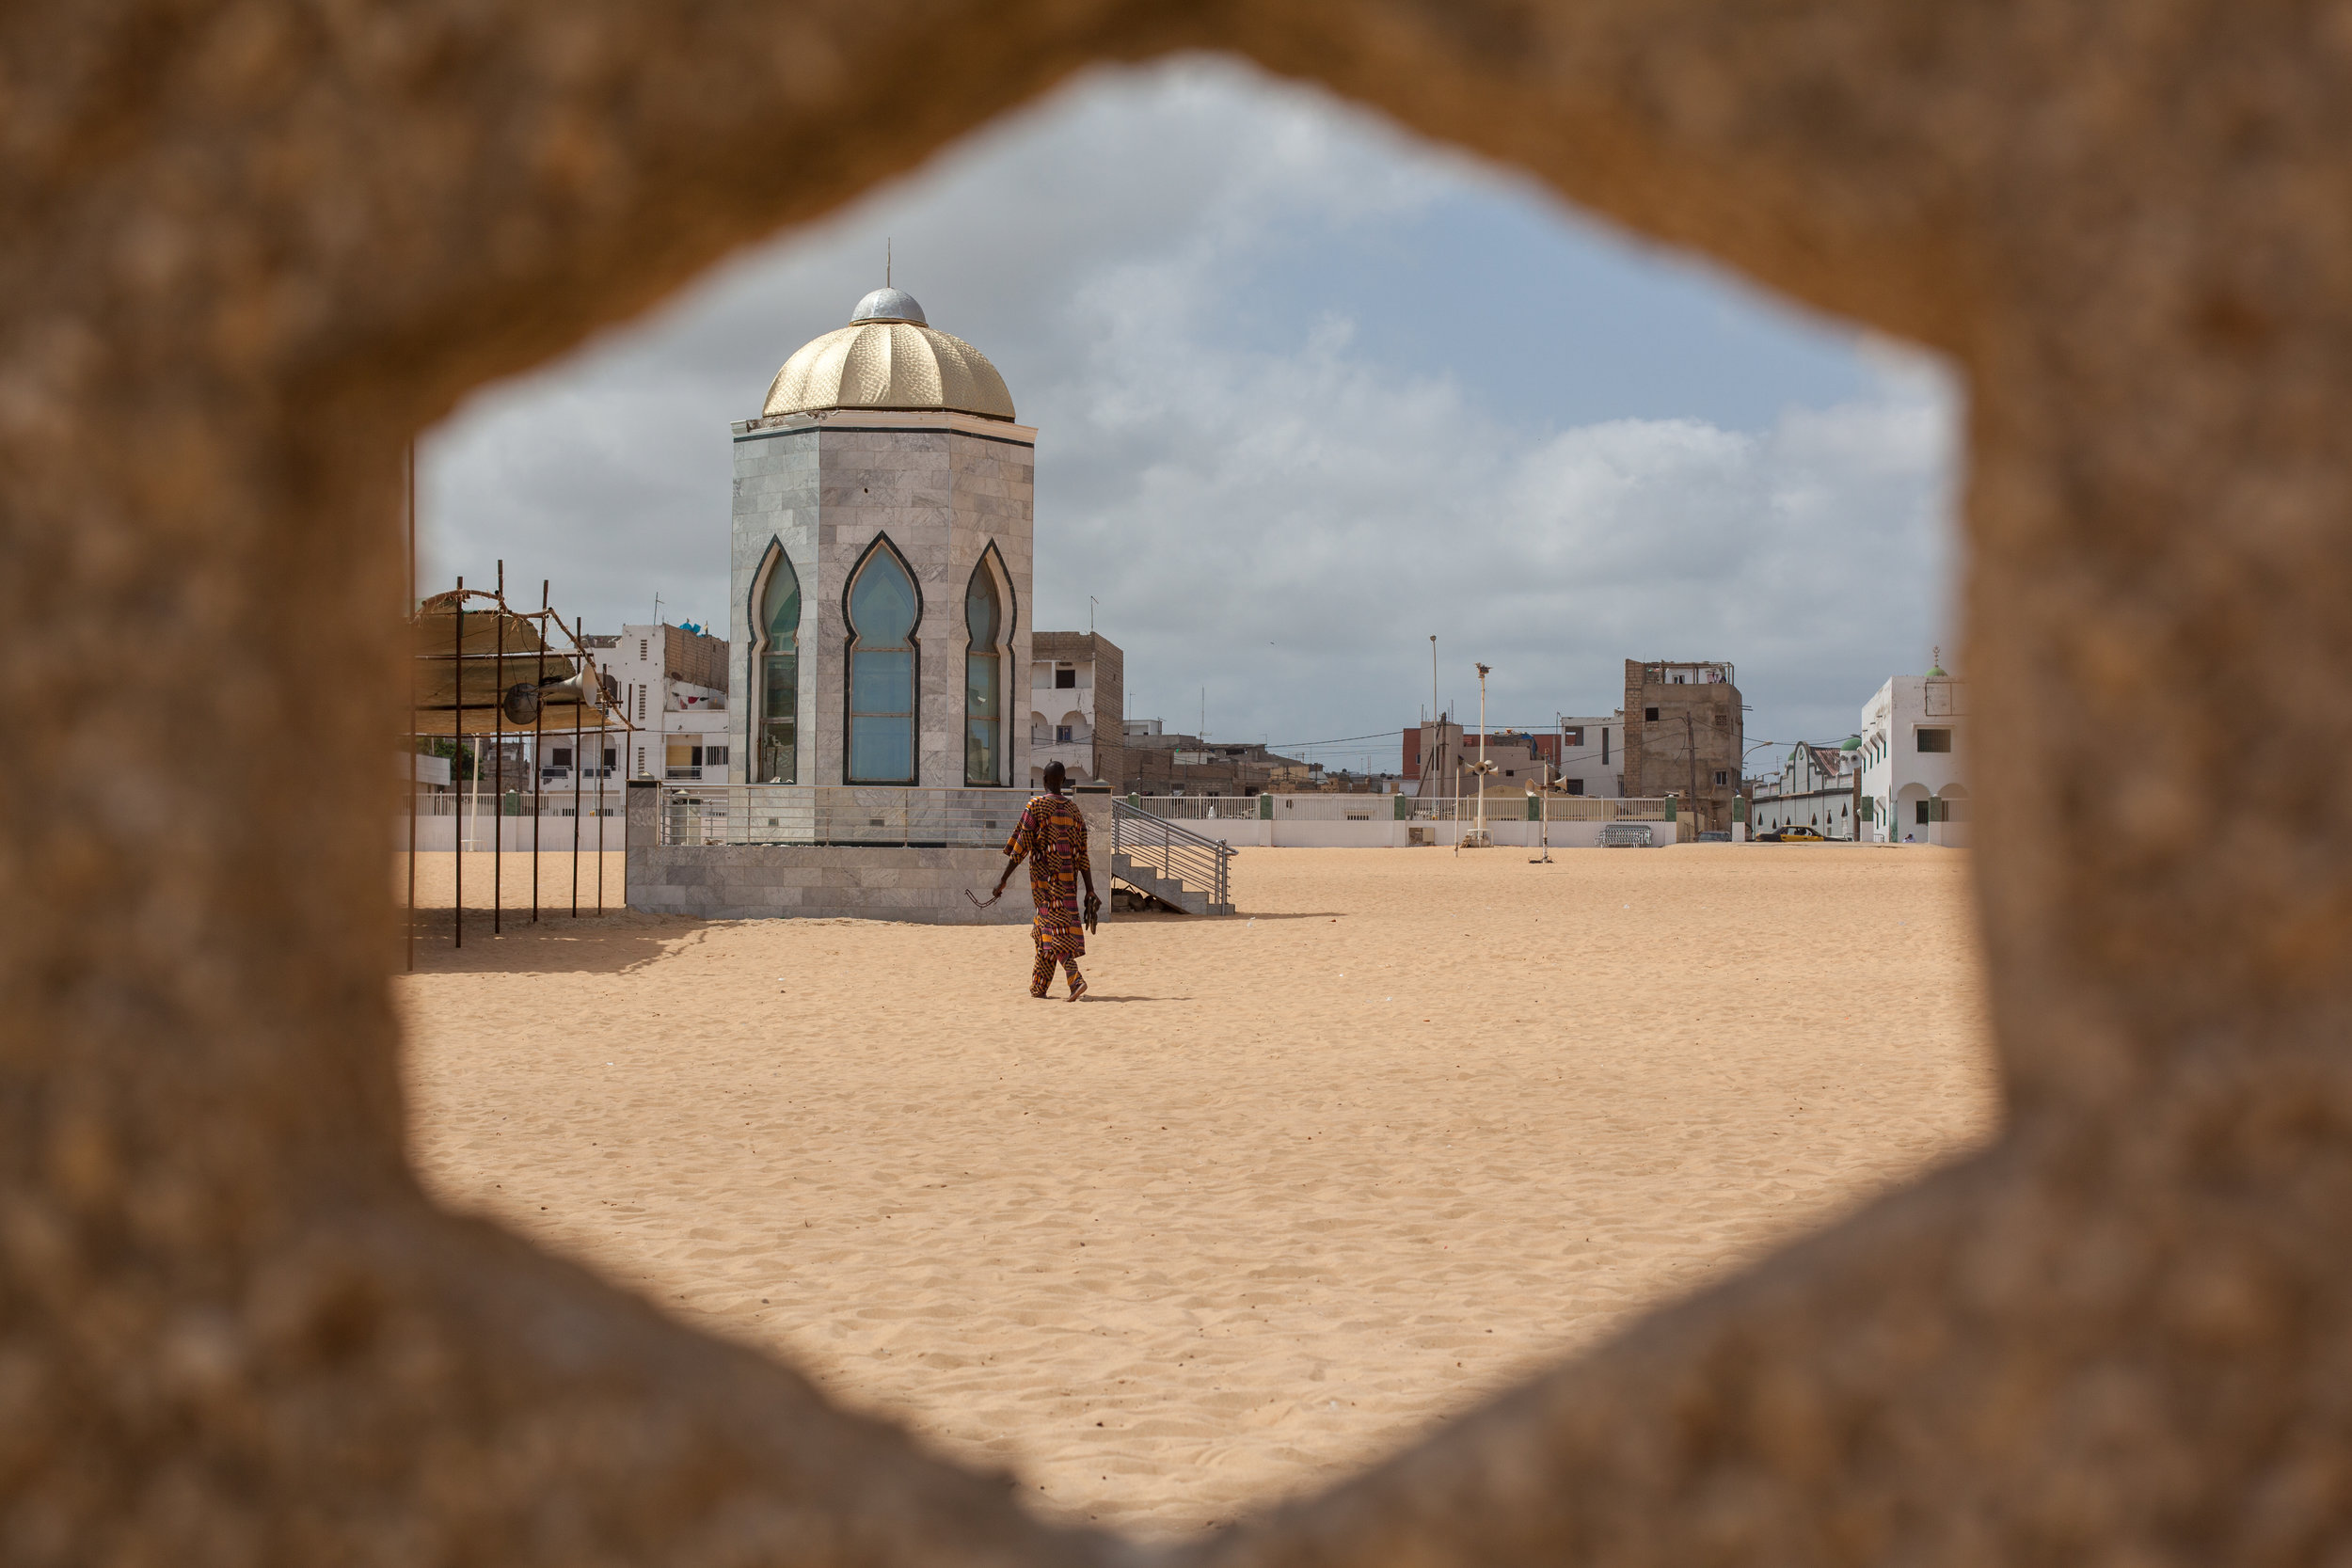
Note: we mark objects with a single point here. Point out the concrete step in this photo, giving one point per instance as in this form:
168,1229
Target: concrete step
1137,875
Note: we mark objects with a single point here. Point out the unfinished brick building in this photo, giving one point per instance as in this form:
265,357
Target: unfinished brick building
1683,737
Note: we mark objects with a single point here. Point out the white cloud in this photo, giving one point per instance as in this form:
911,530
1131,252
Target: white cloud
1273,513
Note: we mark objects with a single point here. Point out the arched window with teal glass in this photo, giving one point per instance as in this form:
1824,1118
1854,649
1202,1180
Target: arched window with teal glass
884,607
776,671
983,679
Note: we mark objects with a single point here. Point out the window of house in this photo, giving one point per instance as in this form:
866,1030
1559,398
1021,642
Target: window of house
778,757
984,722
1721,778
561,757
640,703
1572,736
883,612
612,759
715,756
1575,787
1935,740
1650,715
1604,748
642,655
1066,676
1921,807
1510,772
1061,735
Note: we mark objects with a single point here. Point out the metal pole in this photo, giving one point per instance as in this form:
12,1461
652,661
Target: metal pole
497,766
575,802
579,641
539,752
457,750
1481,756
410,740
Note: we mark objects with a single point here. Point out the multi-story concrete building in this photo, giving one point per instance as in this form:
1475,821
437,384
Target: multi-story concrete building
1159,762
1915,760
671,682
1684,735
1077,686
1584,757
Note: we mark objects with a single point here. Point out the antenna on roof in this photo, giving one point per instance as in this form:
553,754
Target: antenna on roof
885,260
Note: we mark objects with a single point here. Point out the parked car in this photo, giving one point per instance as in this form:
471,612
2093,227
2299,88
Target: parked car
1792,836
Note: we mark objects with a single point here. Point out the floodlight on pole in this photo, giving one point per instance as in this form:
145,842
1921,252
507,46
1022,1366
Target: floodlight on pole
1478,834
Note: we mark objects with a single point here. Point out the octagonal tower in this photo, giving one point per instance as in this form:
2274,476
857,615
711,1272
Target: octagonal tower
880,563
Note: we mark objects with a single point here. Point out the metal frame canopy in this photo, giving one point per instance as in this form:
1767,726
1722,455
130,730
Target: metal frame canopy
480,668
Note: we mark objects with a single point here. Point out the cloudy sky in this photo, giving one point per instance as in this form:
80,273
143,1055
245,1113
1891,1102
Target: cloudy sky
1307,391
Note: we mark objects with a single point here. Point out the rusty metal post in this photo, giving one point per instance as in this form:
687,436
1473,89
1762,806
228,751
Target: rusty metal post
579,637
497,765
579,649
457,742
538,750
410,740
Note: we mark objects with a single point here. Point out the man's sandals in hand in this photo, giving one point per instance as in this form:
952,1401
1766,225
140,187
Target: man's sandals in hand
1093,912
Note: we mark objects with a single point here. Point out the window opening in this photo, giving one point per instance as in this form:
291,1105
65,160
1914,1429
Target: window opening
1650,715
1935,740
984,722
883,612
776,757
1065,678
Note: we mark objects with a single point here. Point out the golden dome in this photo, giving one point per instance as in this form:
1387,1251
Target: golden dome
889,358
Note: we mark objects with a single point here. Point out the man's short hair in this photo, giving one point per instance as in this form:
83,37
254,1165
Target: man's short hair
1057,777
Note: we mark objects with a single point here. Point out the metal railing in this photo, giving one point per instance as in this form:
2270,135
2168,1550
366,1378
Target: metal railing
1176,854
839,814
1331,806
1554,808
1197,808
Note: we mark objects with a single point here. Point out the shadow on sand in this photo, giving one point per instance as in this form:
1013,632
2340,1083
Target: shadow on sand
610,943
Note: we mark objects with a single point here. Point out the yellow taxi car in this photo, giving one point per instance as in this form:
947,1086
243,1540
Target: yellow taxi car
1792,836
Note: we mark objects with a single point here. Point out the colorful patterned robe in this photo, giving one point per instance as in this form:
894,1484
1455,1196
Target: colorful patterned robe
1053,838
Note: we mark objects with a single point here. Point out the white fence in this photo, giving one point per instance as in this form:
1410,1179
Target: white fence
463,820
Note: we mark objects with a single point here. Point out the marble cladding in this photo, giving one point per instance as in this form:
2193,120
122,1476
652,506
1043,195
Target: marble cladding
942,489
767,881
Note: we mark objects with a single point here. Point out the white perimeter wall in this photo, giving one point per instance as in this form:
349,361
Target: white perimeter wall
1278,834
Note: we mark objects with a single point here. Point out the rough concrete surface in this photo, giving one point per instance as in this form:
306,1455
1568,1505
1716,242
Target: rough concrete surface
251,246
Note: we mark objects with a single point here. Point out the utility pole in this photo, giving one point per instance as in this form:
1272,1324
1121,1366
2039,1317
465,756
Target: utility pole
1691,746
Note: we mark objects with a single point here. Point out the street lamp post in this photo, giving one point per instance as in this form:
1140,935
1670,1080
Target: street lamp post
1478,839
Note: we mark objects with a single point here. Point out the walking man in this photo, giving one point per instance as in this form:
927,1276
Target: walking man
1052,837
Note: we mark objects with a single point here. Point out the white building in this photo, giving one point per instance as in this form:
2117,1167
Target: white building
880,563
1814,788
672,684
1077,687
1914,758
1592,757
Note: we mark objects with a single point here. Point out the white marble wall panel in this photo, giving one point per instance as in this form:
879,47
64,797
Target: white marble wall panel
942,488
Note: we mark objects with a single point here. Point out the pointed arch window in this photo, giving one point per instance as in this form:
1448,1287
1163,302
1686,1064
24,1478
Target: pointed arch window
776,743
983,679
884,607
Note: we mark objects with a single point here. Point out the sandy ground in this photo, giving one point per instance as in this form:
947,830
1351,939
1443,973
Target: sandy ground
436,880
1282,1193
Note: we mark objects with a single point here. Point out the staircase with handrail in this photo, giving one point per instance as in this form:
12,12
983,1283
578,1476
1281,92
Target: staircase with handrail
1183,869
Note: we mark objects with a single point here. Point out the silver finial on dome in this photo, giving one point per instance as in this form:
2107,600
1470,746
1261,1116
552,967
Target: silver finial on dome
888,304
